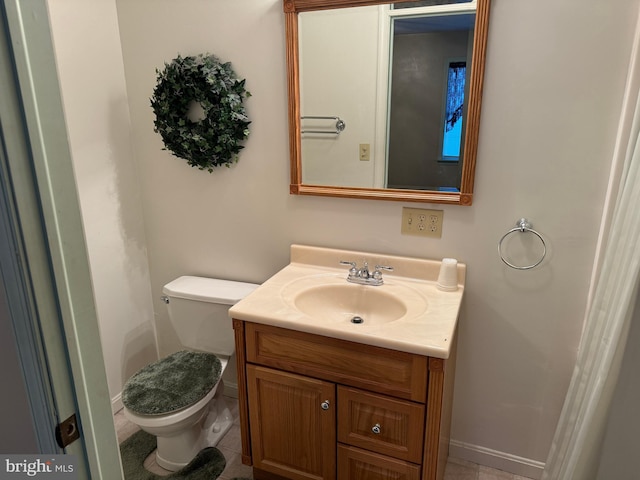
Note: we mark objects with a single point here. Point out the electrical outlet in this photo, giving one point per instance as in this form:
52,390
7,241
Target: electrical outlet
422,222
365,152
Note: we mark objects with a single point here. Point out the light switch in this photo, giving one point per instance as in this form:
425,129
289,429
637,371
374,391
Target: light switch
365,152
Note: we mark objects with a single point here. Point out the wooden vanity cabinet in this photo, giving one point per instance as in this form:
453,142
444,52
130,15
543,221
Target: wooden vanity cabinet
320,408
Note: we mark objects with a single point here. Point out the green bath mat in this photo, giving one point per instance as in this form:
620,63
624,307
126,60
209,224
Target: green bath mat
207,465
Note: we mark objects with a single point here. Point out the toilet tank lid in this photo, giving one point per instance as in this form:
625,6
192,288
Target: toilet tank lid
213,290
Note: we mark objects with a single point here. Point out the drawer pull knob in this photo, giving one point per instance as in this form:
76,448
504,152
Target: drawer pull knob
325,405
376,429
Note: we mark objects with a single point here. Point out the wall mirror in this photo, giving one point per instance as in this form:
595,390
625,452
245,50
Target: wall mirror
384,97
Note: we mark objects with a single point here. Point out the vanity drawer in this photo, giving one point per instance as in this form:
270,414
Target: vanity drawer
378,369
381,424
356,464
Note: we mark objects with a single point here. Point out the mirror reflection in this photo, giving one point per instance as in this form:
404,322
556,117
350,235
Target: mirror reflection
385,101
431,58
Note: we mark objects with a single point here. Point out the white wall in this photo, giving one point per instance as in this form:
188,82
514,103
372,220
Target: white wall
554,79
89,59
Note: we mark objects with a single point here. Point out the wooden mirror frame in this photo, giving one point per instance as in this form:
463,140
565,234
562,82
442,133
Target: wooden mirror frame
465,197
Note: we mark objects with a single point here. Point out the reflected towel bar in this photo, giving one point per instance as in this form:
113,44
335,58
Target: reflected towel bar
340,125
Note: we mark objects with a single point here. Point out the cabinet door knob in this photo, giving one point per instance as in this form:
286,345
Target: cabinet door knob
325,405
376,429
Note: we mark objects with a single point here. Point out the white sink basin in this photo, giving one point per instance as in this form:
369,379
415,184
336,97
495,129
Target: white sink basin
311,294
350,303
327,301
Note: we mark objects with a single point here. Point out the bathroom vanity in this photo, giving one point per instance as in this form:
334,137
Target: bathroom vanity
322,397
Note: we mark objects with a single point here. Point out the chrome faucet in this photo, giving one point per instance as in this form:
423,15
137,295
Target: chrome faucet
364,271
363,276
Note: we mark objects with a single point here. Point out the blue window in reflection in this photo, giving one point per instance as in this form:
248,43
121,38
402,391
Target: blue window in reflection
454,106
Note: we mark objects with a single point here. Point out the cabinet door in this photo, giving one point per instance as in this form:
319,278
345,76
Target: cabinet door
292,421
357,464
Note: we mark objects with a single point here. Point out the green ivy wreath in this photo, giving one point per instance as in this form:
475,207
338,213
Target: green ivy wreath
201,80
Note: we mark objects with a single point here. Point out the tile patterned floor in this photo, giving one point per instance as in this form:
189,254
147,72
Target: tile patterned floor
230,446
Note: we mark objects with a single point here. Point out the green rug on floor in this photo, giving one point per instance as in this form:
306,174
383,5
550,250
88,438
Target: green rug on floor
207,465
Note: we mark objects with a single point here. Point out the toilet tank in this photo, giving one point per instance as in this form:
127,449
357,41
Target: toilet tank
198,309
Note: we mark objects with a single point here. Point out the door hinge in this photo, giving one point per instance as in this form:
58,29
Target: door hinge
67,431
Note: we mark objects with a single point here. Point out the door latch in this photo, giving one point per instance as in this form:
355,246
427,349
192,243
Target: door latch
67,431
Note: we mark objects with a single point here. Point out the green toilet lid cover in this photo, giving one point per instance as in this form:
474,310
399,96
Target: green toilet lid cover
173,383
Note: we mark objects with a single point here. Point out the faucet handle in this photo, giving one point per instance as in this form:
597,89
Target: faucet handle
377,274
382,267
352,270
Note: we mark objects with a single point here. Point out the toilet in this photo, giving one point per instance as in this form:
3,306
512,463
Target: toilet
179,398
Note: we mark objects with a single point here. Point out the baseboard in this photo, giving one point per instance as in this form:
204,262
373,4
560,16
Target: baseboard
500,460
116,404
230,389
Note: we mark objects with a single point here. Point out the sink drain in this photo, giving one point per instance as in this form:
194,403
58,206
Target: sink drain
357,319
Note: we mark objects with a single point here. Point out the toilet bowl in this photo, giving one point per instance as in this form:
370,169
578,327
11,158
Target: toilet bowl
179,399
182,433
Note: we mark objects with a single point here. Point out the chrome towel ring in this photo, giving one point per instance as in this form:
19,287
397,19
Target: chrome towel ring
522,225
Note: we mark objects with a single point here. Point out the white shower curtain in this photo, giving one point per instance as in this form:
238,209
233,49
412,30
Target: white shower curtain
575,450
